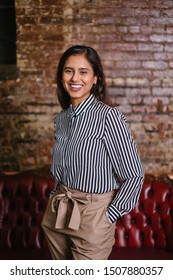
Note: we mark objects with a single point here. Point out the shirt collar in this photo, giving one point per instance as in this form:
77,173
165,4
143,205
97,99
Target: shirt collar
76,111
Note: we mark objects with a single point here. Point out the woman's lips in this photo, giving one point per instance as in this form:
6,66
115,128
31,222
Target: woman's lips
75,87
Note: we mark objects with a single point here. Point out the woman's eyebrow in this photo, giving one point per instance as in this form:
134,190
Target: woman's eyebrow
82,68
67,67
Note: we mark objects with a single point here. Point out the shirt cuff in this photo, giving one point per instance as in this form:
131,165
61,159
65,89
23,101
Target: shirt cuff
113,213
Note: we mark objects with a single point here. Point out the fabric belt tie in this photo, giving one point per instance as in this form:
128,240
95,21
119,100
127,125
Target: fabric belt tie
60,206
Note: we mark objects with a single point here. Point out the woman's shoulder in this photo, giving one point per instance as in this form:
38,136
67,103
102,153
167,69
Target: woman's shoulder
107,108
110,111
63,114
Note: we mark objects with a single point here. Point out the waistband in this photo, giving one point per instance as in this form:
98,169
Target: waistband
63,196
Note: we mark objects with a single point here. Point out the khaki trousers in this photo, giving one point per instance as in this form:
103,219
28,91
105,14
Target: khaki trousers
76,225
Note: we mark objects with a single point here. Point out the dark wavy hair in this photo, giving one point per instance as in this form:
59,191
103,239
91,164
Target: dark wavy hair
98,89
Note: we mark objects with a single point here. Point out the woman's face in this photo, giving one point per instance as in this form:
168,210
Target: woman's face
78,78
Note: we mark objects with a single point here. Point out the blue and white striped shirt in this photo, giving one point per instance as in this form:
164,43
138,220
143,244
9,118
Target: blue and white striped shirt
94,151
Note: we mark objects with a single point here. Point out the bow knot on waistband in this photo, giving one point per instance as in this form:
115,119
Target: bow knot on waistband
65,218
69,195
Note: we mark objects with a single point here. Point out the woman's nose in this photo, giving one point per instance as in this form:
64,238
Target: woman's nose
75,76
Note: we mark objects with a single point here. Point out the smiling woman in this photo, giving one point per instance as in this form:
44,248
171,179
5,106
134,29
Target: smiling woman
78,78
93,156
91,63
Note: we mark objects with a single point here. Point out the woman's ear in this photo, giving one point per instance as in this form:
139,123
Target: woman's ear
95,80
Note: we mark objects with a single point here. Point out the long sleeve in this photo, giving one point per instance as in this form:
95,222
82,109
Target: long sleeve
126,164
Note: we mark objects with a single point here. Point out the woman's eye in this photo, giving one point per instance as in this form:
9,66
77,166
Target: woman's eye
68,71
83,72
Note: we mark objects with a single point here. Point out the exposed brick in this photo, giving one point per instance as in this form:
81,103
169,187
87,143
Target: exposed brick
128,64
168,47
51,19
136,38
160,101
150,47
162,91
52,2
163,56
147,13
122,29
163,75
135,42
146,29
137,82
162,38
167,82
155,64
25,3
120,46
166,4
118,82
134,29
161,21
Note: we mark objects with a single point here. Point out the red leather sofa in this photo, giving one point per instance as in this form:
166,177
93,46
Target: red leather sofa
145,233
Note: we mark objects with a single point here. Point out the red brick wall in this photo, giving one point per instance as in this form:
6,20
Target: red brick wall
135,42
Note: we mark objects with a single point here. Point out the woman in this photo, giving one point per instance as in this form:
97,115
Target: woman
94,155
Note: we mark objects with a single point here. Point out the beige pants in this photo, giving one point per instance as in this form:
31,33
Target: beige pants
76,225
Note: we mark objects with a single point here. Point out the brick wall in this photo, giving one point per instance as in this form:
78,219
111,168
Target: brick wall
135,42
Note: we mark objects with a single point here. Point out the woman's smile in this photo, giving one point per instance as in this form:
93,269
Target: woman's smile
75,87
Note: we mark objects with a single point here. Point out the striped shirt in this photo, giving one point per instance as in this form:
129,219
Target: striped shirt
94,151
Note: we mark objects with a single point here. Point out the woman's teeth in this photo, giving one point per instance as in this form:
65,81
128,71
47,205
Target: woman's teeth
76,86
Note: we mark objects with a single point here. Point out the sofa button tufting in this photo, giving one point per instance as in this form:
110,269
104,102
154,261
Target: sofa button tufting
133,221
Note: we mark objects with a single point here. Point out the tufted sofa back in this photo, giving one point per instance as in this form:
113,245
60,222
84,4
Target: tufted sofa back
150,224
23,199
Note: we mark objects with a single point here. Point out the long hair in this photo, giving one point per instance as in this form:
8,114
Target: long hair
98,89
